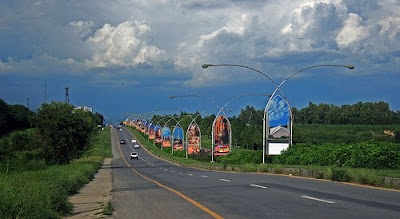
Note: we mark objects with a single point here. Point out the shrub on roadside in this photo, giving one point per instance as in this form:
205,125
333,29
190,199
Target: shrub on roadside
357,155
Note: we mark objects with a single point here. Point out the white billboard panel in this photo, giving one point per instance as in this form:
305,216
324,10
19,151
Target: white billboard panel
277,148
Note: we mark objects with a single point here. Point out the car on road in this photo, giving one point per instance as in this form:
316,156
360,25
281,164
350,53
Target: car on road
133,140
134,155
136,146
121,141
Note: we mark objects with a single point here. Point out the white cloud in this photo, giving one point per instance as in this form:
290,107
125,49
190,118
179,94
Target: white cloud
82,36
83,28
123,45
4,67
352,31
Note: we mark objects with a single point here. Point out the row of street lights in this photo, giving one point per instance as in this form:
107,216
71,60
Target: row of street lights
277,87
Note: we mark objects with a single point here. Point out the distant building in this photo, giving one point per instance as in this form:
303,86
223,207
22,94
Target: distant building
85,108
279,132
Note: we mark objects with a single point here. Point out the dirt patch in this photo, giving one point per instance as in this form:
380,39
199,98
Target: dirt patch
94,196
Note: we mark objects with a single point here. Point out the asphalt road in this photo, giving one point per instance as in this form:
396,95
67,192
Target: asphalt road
153,188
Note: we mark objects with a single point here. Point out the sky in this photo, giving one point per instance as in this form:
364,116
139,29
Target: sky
127,57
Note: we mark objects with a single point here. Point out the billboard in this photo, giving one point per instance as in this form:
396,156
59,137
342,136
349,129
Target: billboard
278,125
166,137
193,138
177,139
221,136
151,131
143,126
157,133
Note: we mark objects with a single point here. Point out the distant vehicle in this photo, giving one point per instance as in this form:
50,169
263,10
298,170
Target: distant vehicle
133,140
122,141
136,146
120,130
134,155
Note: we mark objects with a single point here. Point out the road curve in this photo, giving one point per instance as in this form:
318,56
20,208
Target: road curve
151,187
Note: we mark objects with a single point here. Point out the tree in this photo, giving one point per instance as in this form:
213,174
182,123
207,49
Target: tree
64,132
21,117
5,118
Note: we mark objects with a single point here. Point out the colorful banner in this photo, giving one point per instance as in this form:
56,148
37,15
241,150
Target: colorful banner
151,131
157,133
177,137
193,138
221,134
166,137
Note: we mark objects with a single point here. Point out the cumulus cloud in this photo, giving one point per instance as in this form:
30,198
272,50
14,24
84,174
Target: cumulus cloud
82,28
352,31
123,45
262,34
4,67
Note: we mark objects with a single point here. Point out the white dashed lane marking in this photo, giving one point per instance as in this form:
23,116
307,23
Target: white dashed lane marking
317,199
258,186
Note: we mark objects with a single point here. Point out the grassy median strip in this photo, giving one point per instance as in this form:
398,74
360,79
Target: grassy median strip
43,193
374,177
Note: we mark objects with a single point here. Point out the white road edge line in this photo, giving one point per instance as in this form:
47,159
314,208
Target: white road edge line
190,174
204,176
172,171
317,199
258,186
225,180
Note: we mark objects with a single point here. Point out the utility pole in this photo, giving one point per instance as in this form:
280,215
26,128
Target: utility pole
67,95
27,102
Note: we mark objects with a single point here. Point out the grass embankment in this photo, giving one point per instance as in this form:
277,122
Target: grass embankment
43,193
373,177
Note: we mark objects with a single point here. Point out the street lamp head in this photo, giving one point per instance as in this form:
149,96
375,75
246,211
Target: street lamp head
205,65
351,67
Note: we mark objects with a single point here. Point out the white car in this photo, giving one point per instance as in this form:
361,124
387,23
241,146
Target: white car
133,140
136,146
134,155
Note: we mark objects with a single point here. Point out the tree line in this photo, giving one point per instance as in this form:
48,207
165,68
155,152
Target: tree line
247,126
360,113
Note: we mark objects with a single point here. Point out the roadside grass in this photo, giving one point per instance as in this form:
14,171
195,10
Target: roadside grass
44,193
372,177
108,209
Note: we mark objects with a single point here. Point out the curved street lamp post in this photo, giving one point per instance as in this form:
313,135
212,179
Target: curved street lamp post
277,88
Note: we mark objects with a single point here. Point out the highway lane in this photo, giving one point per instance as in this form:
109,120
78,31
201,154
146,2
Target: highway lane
252,195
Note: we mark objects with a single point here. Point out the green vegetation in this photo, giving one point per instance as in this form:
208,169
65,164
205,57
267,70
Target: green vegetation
14,117
43,193
319,133
355,155
47,156
360,113
108,209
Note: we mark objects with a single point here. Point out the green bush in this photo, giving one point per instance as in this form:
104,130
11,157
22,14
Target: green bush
241,157
340,175
356,155
203,155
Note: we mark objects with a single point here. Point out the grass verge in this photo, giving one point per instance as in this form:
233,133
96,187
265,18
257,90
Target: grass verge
44,193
